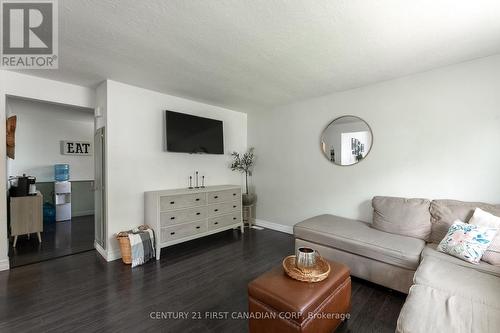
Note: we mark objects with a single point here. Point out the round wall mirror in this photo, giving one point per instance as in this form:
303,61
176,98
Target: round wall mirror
346,140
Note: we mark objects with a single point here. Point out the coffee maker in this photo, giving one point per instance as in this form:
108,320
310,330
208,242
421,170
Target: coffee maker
22,186
32,185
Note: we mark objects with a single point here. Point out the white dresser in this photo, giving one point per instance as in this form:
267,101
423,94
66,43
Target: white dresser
180,215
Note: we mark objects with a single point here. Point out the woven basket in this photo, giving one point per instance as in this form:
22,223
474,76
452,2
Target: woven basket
124,242
314,274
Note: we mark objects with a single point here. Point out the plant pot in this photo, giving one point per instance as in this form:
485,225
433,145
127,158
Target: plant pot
249,199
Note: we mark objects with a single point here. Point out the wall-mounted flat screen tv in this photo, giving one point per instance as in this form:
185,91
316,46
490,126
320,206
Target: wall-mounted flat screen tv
191,134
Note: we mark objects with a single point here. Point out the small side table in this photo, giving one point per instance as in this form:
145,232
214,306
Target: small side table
248,214
26,216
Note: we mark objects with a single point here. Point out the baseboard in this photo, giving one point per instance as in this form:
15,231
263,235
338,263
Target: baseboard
275,226
108,255
101,251
114,254
4,264
82,213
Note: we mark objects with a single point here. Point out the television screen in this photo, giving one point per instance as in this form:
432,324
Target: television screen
191,134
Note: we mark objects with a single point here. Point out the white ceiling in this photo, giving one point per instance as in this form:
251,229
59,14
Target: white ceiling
255,54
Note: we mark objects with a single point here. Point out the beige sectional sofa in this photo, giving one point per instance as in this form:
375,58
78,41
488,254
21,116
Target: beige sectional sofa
445,294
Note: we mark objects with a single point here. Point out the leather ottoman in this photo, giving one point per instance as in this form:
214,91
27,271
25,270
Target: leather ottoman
278,303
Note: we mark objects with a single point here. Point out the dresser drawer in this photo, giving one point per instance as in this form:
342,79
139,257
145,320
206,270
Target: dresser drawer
182,201
182,215
224,220
224,208
225,195
183,230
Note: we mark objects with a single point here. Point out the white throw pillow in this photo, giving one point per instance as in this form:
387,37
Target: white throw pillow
466,241
485,219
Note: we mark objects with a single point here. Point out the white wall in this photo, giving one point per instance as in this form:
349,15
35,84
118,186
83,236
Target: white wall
136,161
101,105
40,129
26,86
436,135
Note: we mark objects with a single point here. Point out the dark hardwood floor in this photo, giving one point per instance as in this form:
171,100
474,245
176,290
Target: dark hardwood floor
58,239
83,293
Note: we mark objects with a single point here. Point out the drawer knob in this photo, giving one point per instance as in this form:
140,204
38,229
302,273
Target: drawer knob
216,222
198,227
234,206
198,213
216,197
234,218
172,233
234,193
172,218
216,210
197,199
172,202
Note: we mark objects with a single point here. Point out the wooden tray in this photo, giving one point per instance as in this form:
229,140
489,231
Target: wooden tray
314,274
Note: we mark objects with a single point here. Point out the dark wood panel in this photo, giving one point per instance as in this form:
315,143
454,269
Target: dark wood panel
83,293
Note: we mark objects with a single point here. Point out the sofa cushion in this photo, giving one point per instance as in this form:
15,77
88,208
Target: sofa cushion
407,217
459,280
485,219
492,254
445,212
430,250
359,238
430,310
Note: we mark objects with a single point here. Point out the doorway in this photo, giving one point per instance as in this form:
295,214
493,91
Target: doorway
58,215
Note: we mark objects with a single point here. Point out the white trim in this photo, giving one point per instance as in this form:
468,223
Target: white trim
4,264
114,254
100,250
108,255
275,226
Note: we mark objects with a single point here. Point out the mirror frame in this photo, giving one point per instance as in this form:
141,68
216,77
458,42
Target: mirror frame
328,125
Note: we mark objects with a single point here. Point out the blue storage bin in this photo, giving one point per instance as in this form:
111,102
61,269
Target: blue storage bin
61,172
49,213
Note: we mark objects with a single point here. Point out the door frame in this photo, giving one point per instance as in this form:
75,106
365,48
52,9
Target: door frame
100,220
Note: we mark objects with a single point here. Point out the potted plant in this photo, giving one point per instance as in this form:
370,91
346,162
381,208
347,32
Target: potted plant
244,164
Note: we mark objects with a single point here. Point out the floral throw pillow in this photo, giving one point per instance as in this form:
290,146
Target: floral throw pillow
466,241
